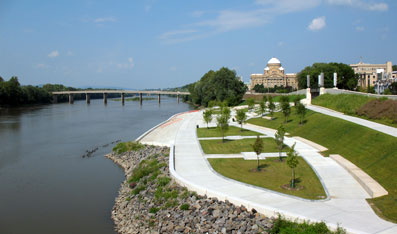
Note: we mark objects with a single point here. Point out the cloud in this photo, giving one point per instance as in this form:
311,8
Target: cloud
360,28
370,6
128,65
41,66
317,24
53,54
105,19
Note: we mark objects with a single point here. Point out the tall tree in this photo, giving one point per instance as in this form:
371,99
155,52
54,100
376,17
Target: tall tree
271,106
292,161
279,138
394,67
222,122
207,115
241,117
258,148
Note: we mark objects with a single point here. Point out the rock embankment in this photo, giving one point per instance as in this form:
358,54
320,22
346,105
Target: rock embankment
149,201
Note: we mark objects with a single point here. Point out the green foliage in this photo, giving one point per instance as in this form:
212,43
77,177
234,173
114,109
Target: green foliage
259,88
241,117
250,103
258,148
279,139
271,106
393,87
284,226
232,131
346,103
145,168
394,67
301,112
236,146
222,123
262,106
123,147
347,79
218,85
163,181
292,162
154,210
286,110
184,206
207,115
138,189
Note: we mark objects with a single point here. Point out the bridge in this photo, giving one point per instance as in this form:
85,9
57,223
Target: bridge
121,92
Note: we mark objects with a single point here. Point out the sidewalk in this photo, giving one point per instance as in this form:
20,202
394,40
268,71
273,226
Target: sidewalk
366,123
346,204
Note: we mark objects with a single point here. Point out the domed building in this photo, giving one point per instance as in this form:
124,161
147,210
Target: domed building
274,75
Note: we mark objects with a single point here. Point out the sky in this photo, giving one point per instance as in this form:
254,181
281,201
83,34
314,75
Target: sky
160,44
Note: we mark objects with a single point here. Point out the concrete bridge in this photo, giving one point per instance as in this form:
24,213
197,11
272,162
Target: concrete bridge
121,92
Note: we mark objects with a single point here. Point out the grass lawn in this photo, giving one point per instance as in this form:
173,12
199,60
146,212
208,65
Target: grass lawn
237,146
273,174
372,151
348,104
233,131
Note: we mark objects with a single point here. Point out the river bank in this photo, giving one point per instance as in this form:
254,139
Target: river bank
149,201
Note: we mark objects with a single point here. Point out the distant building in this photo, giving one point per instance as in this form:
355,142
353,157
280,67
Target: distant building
274,75
374,74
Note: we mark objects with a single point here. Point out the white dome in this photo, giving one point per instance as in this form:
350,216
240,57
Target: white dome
274,61
281,69
267,69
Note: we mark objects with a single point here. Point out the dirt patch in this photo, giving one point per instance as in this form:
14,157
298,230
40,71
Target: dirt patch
379,109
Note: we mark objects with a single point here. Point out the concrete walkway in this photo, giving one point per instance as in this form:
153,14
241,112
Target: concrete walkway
366,123
345,205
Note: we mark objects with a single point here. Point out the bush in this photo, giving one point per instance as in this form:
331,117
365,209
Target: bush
138,189
154,210
123,147
163,181
184,207
284,226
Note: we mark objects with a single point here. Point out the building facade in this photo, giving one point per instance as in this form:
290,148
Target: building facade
373,74
274,75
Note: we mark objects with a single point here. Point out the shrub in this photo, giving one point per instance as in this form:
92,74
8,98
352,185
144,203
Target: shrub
284,226
163,181
123,147
154,210
184,207
138,189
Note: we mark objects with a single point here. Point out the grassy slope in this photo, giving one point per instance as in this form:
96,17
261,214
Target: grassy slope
372,151
233,131
272,176
348,104
236,146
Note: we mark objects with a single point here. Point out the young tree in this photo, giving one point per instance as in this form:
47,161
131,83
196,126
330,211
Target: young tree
301,111
262,108
286,109
265,98
271,106
250,103
207,115
241,117
292,161
222,123
279,138
226,111
258,148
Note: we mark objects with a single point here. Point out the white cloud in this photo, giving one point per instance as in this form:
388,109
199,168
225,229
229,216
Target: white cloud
317,24
105,19
360,28
128,65
41,66
370,6
53,54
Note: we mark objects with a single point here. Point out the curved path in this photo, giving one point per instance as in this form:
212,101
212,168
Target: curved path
345,205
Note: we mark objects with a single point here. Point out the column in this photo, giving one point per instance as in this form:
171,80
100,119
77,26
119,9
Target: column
159,98
71,99
335,80
140,98
122,98
54,99
321,83
105,98
87,98
308,93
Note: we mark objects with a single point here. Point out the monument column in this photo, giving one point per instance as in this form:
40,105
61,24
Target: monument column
308,93
321,83
335,80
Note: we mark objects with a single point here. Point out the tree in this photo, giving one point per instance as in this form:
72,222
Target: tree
347,79
301,111
286,109
222,122
265,98
279,138
258,148
292,161
250,103
226,111
393,88
271,106
241,117
262,108
394,67
207,115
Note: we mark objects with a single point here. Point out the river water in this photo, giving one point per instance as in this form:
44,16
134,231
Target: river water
46,186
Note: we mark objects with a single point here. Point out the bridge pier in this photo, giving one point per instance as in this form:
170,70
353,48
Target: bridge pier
140,98
87,98
71,98
177,98
159,98
105,98
54,99
122,98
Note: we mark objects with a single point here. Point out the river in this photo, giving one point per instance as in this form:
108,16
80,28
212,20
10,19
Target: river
46,185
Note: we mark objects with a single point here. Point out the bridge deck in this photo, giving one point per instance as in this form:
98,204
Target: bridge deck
121,91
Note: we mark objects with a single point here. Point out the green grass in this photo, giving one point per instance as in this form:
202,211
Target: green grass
237,146
272,175
281,225
233,131
372,151
276,98
348,104
123,147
